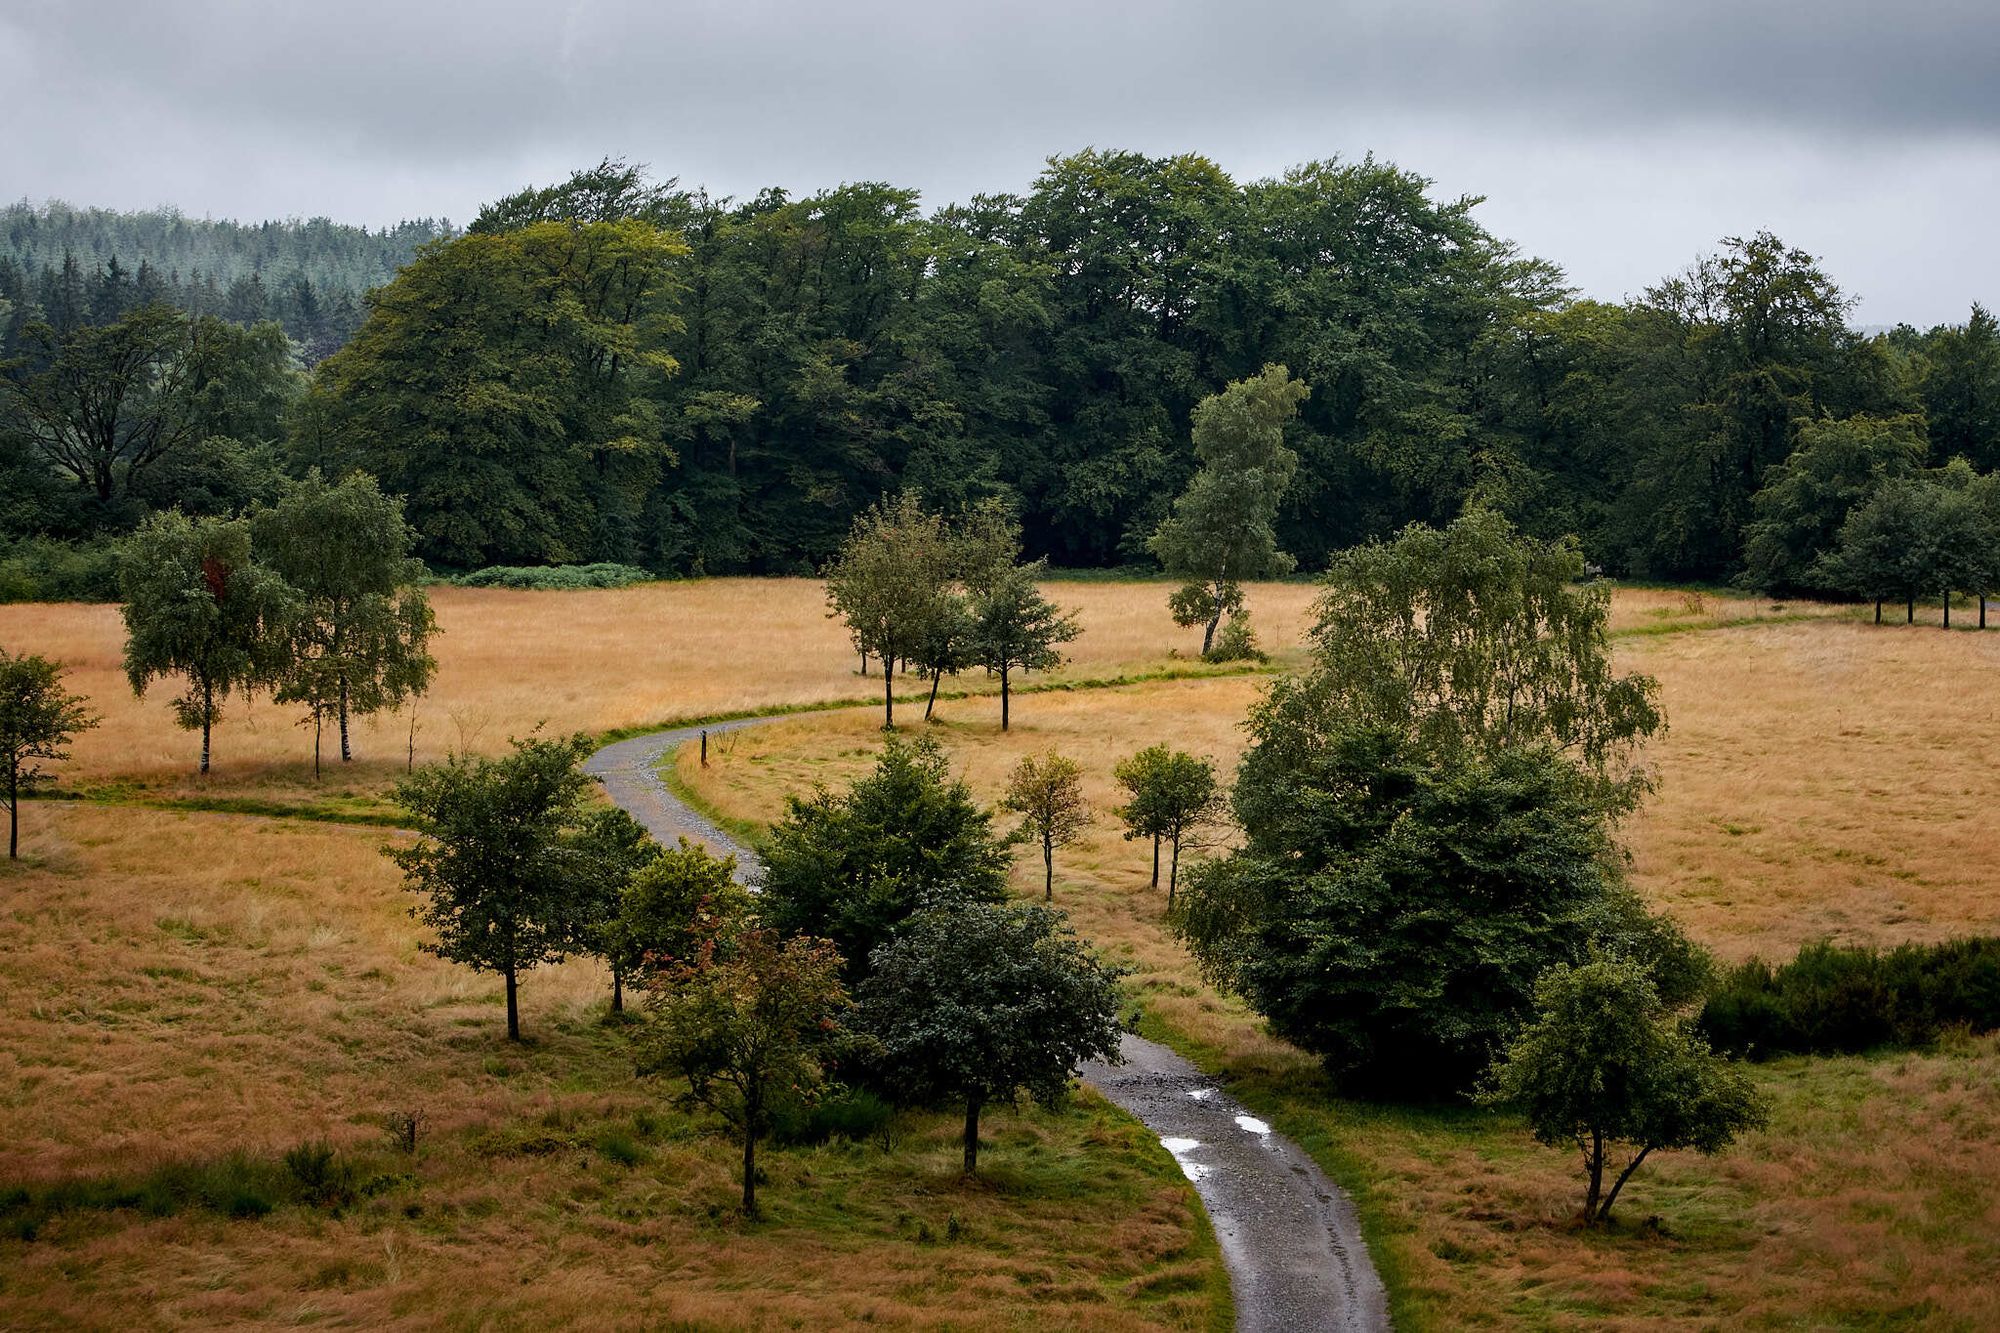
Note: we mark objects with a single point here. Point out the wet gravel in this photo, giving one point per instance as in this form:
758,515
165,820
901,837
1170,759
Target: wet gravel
1288,1234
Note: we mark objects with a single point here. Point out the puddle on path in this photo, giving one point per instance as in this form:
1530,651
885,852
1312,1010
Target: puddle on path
1252,1124
1180,1148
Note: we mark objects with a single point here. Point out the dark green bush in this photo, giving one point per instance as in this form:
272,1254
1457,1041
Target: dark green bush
36,569
555,578
1832,998
854,1114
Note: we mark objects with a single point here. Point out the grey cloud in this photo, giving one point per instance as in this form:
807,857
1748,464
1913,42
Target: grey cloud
1665,125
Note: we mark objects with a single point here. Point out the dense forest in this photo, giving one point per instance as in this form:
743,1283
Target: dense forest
622,370
309,277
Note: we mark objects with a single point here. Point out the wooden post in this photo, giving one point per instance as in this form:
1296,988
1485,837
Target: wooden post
704,747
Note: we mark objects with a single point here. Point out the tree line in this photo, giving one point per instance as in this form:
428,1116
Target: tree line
92,265
618,369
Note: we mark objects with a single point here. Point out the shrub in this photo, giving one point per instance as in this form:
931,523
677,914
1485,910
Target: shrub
555,578
854,1114
1236,643
1833,999
39,570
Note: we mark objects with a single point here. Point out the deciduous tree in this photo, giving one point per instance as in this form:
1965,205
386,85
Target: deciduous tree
1171,796
750,1024
892,585
495,860
360,638
1047,792
1604,1061
670,905
1220,532
980,1002
38,720
198,607
1015,628
853,866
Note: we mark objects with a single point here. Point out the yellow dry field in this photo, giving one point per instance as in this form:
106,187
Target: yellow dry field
179,985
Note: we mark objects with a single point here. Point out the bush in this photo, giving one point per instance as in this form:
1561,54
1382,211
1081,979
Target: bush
1236,642
36,569
1833,999
555,578
854,1114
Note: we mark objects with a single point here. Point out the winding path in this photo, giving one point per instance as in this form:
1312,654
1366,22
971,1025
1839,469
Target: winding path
1289,1236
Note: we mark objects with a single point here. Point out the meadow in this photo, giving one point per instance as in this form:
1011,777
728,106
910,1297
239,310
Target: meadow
204,990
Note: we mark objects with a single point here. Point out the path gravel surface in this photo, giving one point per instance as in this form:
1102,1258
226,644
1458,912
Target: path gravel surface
1288,1234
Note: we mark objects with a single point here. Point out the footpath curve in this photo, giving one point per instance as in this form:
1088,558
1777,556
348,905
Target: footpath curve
1289,1236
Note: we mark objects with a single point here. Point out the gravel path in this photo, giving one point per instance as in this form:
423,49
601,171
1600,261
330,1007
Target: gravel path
1288,1234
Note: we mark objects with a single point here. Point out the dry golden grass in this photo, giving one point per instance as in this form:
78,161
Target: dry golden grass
196,983
184,986
589,661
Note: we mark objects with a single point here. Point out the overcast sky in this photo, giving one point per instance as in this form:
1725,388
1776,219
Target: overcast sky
1619,138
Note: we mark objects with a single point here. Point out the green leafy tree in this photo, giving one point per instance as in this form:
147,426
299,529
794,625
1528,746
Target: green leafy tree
197,607
361,635
853,866
507,384
1428,808
1046,791
1473,637
1220,532
1171,796
1836,466
1961,389
978,1003
104,403
1605,1061
496,860
1015,628
1926,535
608,851
892,585
751,1025
38,720
1391,910
672,903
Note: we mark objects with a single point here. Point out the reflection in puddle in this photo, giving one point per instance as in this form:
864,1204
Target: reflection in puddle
1201,1094
1253,1124
1180,1148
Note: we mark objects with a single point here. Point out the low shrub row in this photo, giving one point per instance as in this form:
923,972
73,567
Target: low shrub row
1833,999
39,570
555,578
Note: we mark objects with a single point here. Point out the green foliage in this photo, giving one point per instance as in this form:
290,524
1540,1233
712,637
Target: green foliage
102,405
976,1003
38,720
1834,999
554,578
1015,628
751,1025
507,385
40,570
1173,797
1931,534
197,607
854,1114
310,276
1220,532
498,861
1472,637
892,584
1836,466
1391,910
360,632
1046,791
1236,643
1605,1061
854,866
667,906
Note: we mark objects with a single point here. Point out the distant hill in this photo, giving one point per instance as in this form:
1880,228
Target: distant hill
309,275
